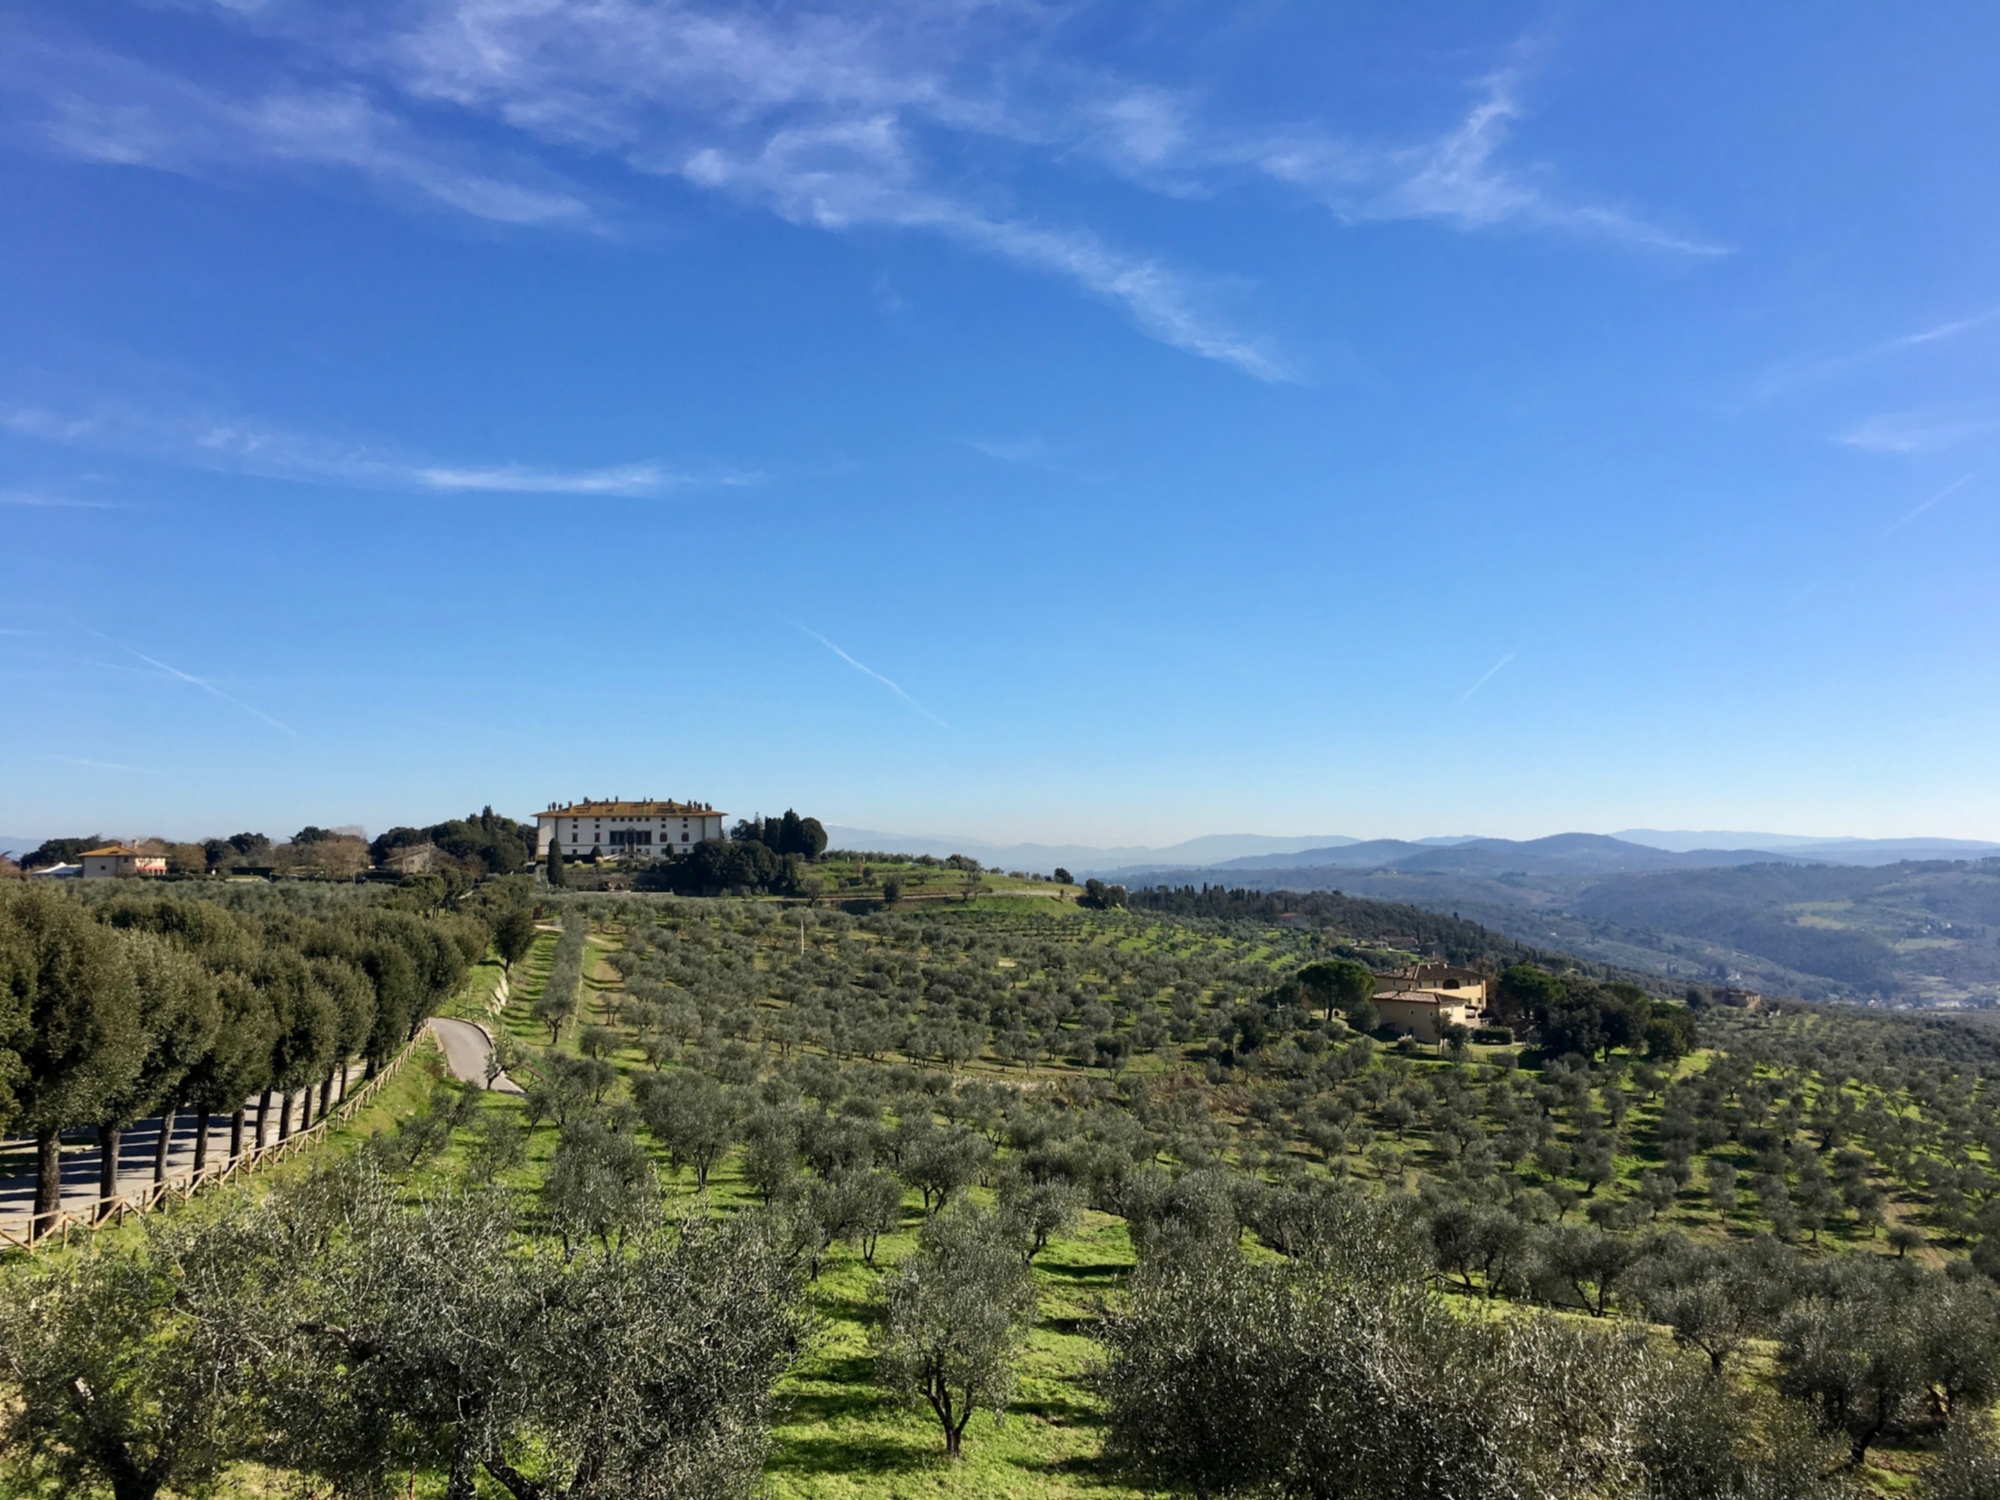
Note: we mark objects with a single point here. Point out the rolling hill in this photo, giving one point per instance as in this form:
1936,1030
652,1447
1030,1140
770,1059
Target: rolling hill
1920,933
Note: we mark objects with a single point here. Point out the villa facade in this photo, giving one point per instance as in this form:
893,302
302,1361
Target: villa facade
629,830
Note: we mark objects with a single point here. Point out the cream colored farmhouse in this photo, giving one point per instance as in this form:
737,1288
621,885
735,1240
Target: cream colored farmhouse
630,830
120,859
1424,999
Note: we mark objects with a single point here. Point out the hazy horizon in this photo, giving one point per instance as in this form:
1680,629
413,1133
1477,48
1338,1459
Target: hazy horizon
1195,850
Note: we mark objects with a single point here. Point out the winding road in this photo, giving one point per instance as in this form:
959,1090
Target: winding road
467,1045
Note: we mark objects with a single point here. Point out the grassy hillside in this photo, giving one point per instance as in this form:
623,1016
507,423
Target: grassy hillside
1113,1043
1151,1061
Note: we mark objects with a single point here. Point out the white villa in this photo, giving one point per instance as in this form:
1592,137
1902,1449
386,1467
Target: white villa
634,830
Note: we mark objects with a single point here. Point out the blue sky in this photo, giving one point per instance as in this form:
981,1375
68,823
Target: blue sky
1093,423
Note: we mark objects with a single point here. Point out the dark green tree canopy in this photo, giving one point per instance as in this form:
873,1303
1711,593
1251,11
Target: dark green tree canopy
790,834
484,841
747,866
58,851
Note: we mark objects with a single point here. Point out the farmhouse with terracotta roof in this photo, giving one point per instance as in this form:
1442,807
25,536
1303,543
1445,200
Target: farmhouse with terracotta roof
120,859
1425,998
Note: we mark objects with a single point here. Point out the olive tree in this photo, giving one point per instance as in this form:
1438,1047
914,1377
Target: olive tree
1031,1213
954,1316
690,1116
1968,1466
430,1334
601,1184
1300,1378
131,1370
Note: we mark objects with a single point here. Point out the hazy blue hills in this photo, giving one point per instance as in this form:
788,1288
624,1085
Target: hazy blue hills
1588,853
1921,931
1579,853
1913,921
1912,933
1195,853
1841,851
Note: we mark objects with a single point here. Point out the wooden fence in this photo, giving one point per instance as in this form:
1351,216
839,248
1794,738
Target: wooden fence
104,1212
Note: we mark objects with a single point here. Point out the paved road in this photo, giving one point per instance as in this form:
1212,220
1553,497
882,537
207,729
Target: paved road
135,1156
466,1049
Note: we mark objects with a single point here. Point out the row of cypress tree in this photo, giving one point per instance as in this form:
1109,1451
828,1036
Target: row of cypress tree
115,1010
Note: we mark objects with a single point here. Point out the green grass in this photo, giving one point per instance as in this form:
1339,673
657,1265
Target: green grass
840,1433
473,1001
845,1436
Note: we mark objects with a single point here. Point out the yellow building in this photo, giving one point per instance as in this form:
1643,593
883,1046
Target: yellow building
1424,1015
1462,986
120,859
1425,998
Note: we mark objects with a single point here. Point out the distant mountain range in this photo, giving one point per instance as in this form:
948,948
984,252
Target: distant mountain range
1587,853
1887,921
1193,853
1681,841
1635,849
1899,922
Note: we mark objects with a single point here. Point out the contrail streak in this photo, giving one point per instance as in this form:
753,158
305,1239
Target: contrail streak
194,681
1488,677
1957,484
893,687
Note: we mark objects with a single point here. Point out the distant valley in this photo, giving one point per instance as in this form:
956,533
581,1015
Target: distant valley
1907,922
1844,920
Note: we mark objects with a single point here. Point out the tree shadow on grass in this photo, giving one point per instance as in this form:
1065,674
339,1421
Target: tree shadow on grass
1109,1271
860,1309
1056,1410
835,1416
1082,1468
1077,1325
843,1389
834,1453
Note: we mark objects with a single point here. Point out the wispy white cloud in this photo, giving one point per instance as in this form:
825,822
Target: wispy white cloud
102,107
905,117
236,445
1794,374
57,502
1949,490
193,681
1456,178
1020,451
869,671
1915,431
623,479
862,173
1950,329
1486,677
